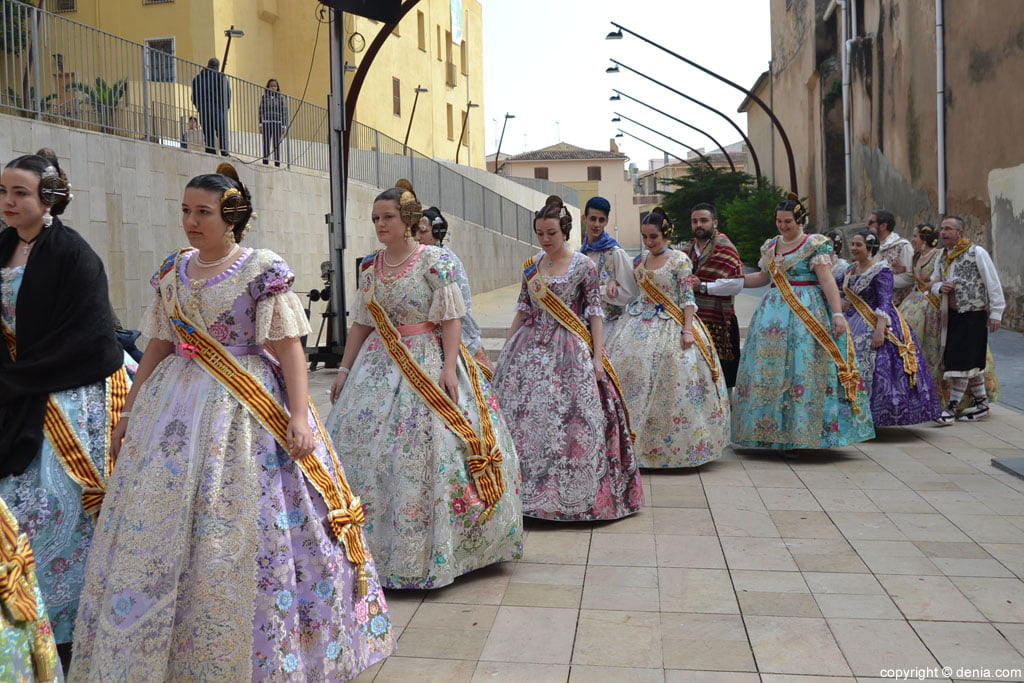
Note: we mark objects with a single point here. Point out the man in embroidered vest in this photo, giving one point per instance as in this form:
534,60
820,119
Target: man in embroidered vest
715,258
896,251
972,307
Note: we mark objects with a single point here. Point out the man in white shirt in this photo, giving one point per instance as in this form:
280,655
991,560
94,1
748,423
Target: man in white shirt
896,251
972,307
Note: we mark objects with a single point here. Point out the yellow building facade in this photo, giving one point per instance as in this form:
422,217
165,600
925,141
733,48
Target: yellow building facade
290,40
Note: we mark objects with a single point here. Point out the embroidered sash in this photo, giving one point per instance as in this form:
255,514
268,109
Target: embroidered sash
846,368
570,321
485,457
923,286
18,591
66,444
346,514
652,290
907,348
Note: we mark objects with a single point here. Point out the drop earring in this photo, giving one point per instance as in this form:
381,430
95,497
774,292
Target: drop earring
47,220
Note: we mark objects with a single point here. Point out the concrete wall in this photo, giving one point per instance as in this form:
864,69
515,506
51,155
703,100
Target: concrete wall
1006,195
127,197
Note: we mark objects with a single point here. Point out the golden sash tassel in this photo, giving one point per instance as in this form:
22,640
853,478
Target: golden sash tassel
16,566
659,297
846,368
907,348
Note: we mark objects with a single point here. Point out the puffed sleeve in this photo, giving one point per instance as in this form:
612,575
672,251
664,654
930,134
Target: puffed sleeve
279,312
446,302
155,323
591,289
684,295
883,291
821,251
523,302
765,254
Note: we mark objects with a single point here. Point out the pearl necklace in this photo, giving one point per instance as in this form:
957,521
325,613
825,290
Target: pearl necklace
219,262
384,257
787,243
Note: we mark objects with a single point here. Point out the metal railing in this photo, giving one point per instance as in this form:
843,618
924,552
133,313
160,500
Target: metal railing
569,195
61,71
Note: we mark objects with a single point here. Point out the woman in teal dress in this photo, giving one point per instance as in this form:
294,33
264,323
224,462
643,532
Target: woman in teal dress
797,385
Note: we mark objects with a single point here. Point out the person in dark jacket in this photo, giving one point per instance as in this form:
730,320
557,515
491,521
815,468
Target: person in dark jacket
211,96
273,120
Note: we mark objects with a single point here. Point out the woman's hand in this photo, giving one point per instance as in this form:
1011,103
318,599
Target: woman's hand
450,382
877,339
117,436
599,372
300,438
898,267
613,289
686,339
693,281
838,326
337,385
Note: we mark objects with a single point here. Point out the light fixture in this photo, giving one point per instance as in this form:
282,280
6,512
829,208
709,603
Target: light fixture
612,69
614,98
419,89
234,32
616,120
618,135
614,35
351,67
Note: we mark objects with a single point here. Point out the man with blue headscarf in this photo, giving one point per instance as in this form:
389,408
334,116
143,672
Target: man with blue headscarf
614,267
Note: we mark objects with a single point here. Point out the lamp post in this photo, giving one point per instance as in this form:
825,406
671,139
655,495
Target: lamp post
746,140
617,35
497,155
230,33
465,120
412,115
663,151
619,95
658,132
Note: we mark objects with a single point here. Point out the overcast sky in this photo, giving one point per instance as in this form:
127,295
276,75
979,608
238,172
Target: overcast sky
545,61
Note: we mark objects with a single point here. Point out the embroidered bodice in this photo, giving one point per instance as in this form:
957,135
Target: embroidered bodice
798,264
246,305
669,278
10,283
579,288
425,291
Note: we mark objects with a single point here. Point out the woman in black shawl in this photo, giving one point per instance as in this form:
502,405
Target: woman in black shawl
59,347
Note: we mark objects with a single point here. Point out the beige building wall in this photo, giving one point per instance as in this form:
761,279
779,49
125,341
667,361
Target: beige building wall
127,204
279,41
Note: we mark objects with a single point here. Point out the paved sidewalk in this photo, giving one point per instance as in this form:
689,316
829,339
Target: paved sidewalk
906,552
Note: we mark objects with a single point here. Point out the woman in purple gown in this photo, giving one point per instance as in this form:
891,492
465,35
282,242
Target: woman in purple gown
891,364
215,557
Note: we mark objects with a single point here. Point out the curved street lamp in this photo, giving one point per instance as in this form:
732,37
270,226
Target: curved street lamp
619,95
497,155
663,151
617,35
746,140
658,132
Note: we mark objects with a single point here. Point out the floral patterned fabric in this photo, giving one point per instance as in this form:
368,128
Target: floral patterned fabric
680,414
787,392
46,501
925,320
212,559
893,400
424,513
570,430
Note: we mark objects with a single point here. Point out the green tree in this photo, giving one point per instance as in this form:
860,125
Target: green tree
751,219
704,183
103,98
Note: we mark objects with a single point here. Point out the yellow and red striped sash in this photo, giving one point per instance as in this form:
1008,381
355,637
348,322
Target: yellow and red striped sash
923,286
346,515
566,318
18,592
652,290
907,348
485,457
66,444
846,368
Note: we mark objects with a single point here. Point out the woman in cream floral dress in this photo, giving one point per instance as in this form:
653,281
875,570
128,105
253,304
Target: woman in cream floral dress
213,558
679,409
428,521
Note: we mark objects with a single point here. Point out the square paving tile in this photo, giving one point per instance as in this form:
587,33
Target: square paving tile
689,551
769,581
931,598
615,638
683,521
788,499
696,590
805,524
871,645
410,669
769,604
795,645
705,642
556,546
629,550
969,646
484,586
849,606
520,672
744,523
632,589
757,553
584,673
539,635
998,599
829,583
825,555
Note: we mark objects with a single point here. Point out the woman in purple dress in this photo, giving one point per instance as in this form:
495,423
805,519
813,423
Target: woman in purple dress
567,417
891,363
215,556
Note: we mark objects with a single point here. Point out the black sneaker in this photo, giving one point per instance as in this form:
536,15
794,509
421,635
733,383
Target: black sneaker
979,411
949,414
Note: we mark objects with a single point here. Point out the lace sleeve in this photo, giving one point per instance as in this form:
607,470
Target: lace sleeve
155,323
280,317
591,288
821,260
446,302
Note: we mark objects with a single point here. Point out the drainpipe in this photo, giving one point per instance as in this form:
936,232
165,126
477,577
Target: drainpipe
940,102
847,154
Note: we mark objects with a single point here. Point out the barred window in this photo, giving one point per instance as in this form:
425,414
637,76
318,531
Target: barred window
62,6
160,60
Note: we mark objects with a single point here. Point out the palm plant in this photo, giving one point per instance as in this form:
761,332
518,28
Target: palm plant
24,105
103,97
